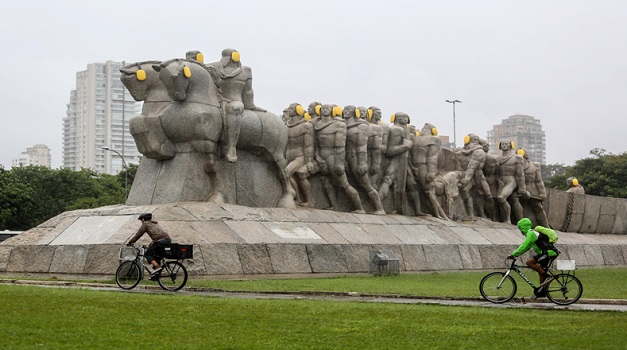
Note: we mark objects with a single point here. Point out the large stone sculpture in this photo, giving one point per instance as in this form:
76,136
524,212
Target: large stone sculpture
511,181
195,117
395,173
424,165
471,159
300,152
490,171
330,155
357,134
535,187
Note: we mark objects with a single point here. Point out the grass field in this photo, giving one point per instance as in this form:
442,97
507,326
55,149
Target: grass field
53,318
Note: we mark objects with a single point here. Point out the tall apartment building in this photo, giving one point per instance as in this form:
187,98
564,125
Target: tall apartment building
36,155
97,116
525,131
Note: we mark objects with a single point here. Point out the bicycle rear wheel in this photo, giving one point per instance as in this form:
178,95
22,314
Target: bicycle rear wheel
173,276
498,288
564,289
128,275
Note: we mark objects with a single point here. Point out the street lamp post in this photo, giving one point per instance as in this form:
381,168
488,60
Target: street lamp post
125,171
454,133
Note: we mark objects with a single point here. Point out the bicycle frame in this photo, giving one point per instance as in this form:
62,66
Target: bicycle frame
517,269
139,259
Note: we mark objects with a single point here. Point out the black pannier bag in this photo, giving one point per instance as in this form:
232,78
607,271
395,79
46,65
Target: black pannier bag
178,251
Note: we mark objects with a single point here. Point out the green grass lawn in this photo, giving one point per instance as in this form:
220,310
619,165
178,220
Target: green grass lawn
57,318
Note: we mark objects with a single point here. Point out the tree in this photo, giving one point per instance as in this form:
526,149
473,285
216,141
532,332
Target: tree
33,194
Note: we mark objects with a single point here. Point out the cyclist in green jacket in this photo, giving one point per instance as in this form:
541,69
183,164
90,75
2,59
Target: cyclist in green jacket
541,240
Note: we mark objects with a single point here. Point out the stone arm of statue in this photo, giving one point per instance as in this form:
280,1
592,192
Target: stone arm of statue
520,177
362,150
309,148
248,97
394,146
540,184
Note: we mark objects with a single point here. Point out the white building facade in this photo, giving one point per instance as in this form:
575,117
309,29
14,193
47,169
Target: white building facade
525,131
98,116
36,155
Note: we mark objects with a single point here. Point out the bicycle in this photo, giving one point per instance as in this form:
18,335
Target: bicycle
172,277
562,288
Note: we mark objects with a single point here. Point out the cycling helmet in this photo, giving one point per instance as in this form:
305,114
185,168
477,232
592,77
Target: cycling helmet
145,216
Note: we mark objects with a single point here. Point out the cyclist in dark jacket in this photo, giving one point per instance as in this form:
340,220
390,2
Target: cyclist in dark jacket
541,240
157,234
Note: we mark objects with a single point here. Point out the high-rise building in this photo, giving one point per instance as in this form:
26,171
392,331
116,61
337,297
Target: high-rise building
36,155
97,116
525,131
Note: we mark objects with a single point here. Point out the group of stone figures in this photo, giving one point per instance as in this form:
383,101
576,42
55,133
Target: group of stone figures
328,138
211,107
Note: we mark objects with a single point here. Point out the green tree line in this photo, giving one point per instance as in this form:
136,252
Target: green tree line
32,194
603,174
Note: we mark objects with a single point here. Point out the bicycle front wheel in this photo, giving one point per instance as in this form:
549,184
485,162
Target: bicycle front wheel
173,276
497,287
564,289
128,275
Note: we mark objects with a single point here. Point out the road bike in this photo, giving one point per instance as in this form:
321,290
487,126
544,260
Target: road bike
172,277
561,286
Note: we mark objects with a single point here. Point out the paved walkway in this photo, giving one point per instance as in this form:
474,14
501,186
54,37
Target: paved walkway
619,305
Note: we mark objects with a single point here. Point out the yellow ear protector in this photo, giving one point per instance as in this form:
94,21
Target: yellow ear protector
200,57
511,143
520,152
337,111
307,116
141,74
417,133
300,110
370,113
187,72
317,109
466,139
434,131
235,56
575,182
393,118
357,113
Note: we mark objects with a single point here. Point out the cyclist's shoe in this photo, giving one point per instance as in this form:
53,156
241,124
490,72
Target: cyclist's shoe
156,272
539,292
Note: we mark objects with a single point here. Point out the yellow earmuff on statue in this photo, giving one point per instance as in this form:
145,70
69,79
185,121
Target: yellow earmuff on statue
300,110
200,57
393,118
467,139
337,111
317,109
575,182
520,152
235,57
187,72
140,74
434,131
357,113
307,116
370,113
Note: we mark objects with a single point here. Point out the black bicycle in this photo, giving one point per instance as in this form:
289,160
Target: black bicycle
561,287
172,277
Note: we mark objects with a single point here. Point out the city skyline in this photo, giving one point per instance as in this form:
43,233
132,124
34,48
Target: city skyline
557,61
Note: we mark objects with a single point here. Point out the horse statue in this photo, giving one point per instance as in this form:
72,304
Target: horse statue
143,82
195,118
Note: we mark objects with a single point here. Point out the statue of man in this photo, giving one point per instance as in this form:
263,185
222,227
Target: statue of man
330,154
574,186
424,165
471,159
234,82
313,110
490,171
375,143
535,186
511,178
357,133
300,152
396,171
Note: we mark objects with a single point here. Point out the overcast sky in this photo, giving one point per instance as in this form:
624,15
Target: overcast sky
562,62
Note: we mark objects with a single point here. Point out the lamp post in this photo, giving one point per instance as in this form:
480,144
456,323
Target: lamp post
454,133
125,171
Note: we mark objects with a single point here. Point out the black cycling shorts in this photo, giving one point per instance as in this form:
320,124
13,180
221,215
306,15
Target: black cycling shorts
544,259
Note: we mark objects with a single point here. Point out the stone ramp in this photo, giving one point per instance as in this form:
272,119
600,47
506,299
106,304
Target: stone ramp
231,240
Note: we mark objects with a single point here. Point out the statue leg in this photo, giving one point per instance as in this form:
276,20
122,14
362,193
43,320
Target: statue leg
329,191
352,193
540,213
517,208
233,118
305,190
210,168
150,138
